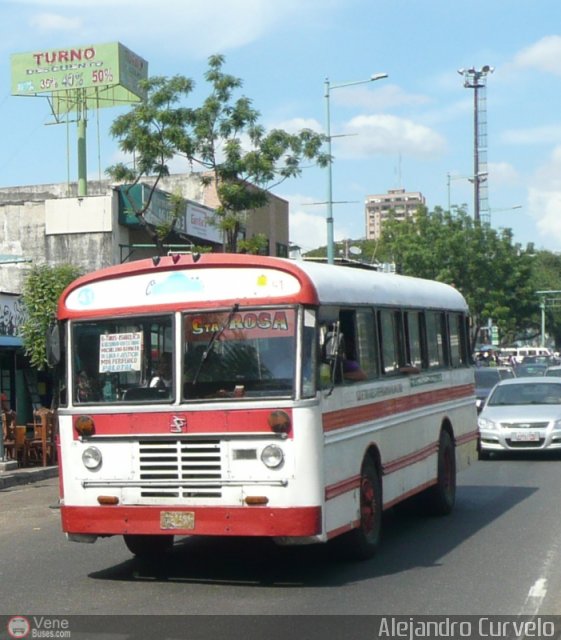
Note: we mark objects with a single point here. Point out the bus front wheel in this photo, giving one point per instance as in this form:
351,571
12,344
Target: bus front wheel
146,546
362,543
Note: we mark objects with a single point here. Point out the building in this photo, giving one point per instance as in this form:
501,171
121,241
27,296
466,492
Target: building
397,202
51,224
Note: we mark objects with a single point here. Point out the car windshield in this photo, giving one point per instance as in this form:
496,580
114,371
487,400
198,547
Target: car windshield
529,393
239,353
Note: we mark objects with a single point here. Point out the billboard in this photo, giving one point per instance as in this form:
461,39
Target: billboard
195,219
102,75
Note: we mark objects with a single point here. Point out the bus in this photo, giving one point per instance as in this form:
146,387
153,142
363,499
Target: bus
301,400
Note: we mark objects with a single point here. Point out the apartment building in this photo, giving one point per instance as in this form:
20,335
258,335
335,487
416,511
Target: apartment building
398,202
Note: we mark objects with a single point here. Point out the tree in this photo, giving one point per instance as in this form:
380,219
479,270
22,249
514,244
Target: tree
41,290
493,274
546,276
222,138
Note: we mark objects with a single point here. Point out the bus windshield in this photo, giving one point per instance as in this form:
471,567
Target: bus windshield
239,353
123,360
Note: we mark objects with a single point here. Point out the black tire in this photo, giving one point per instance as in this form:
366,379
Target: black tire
441,498
483,455
148,546
363,542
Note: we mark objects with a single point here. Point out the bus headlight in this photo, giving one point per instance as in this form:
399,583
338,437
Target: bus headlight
272,456
91,457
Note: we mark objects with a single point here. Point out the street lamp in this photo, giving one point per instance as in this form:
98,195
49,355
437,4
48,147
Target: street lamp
493,210
328,88
482,176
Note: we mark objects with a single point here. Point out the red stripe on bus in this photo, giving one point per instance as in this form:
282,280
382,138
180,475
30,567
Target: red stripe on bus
183,422
347,417
410,459
223,521
467,437
339,488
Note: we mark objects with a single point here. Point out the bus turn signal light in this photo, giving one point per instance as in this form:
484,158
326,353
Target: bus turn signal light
108,499
85,426
256,500
279,421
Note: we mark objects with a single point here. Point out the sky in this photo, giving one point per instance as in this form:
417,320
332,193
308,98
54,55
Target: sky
411,130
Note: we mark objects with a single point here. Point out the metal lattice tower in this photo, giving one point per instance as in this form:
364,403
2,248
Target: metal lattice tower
476,79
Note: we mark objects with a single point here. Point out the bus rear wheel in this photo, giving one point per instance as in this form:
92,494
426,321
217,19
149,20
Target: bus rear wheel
363,542
441,498
146,546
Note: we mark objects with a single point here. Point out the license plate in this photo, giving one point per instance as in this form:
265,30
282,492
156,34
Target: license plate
525,436
177,520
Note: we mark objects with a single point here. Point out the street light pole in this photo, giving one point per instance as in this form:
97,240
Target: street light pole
329,218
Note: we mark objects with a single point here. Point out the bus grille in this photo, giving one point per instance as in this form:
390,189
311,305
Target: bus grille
180,468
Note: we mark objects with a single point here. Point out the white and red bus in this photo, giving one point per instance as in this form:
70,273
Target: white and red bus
302,400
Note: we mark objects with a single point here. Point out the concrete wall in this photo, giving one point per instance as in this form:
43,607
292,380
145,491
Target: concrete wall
49,223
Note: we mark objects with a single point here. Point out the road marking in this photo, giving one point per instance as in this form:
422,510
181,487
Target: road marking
538,590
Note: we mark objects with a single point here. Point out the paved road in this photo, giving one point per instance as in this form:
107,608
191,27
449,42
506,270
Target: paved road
498,553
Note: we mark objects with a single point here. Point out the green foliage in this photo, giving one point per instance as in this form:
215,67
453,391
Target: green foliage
546,275
222,137
254,245
41,290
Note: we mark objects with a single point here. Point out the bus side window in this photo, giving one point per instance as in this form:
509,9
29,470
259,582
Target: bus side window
389,341
413,342
367,343
436,339
455,333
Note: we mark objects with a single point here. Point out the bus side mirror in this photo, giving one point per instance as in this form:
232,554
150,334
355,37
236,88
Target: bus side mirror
53,345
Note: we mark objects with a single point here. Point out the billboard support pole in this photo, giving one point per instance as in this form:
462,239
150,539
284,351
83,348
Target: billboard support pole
82,155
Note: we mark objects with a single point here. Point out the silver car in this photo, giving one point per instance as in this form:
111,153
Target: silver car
522,414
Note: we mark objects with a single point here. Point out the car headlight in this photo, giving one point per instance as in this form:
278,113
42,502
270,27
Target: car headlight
485,423
272,456
91,457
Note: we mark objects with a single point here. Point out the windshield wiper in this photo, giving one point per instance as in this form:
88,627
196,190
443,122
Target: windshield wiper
213,338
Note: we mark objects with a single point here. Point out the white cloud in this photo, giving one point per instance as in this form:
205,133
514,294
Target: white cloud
54,22
297,124
544,198
377,98
387,134
187,28
544,55
502,173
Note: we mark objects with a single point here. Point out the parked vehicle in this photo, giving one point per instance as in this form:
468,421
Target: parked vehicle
521,414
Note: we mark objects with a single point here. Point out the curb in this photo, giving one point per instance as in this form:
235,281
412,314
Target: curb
26,476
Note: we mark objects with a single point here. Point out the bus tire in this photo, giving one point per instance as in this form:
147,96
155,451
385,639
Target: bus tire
363,542
148,546
441,498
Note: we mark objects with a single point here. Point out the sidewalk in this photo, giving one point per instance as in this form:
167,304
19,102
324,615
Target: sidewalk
12,477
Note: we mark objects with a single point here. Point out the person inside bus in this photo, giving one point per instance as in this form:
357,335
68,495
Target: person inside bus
86,388
352,370
163,377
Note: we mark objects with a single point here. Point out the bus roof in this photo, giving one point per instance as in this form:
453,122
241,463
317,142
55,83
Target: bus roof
174,280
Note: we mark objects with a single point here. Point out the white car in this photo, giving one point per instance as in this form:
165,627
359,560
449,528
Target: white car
522,414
